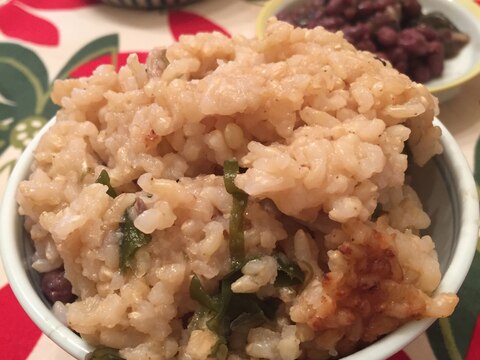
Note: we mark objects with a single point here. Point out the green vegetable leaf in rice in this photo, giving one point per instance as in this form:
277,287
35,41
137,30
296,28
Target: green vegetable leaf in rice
132,239
249,311
226,311
289,273
198,293
104,179
219,322
237,240
220,350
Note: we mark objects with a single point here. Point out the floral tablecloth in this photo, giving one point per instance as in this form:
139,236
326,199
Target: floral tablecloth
42,40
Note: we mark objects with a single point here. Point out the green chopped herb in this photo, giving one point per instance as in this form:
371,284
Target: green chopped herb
230,172
104,179
104,353
220,350
219,322
246,321
237,240
198,293
270,306
289,273
226,311
132,239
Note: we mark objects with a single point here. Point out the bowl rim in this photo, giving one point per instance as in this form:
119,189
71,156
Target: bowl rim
16,268
270,8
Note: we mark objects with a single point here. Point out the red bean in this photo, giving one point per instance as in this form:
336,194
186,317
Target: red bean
366,45
332,23
421,72
316,3
402,66
312,24
386,36
335,7
382,55
399,59
373,25
382,19
56,287
350,12
411,9
365,8
382,4
413,42
355,33
436,57
397,55
429,33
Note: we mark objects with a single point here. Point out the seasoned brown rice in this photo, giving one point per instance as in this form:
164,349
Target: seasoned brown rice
320,129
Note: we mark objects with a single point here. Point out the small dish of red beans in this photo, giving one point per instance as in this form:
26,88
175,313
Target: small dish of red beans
414,41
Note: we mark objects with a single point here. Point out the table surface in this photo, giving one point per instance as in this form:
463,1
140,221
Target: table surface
41,40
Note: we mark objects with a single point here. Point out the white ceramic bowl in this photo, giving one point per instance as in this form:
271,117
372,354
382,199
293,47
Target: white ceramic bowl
445,185
465,14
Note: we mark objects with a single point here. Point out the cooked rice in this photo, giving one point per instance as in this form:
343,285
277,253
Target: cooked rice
321,129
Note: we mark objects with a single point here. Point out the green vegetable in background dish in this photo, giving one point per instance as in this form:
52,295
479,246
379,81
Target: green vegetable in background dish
453,39
104,179
437,20
240,197
132,239
104,353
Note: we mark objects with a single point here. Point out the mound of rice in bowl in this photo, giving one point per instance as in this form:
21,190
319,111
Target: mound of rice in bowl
238,198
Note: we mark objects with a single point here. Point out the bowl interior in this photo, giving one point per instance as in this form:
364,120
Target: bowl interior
465,14
433,183
445,186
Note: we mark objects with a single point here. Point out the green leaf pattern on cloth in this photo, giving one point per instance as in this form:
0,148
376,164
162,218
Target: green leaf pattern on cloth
25,104
24,87
451,338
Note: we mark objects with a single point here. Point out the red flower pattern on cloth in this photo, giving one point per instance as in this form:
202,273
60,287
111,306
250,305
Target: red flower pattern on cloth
19,334
17,22
474,348
185,22
401,355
